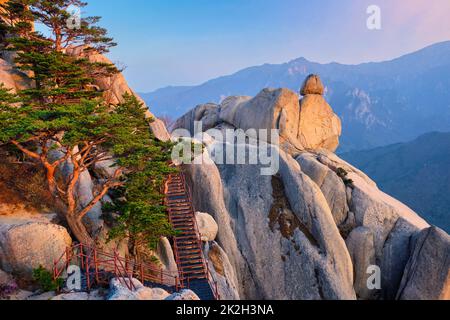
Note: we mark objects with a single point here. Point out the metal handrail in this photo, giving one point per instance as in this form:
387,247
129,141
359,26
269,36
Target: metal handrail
212,282
112,263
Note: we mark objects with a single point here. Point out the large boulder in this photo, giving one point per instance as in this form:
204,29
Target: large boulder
372,207
427,274
319,127
332,186
207,226
306,124
118,290
288,244
207,114
361,247
392,223
270,109
159,129
312,85
166,257
380,212
105,169
74,296
222,272
396,253
183,295
229,107
27,244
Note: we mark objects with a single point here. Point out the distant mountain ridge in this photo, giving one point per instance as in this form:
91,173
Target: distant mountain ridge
417,173
379,103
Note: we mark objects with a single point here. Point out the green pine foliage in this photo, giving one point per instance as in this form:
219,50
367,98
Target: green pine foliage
143,218
44,279
63,111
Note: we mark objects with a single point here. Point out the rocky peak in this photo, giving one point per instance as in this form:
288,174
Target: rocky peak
306,124
312,85
316,228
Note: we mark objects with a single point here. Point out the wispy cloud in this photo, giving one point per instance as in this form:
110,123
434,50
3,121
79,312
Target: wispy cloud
425,19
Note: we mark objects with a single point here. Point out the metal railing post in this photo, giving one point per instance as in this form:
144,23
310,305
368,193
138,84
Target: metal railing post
96,267
67,257
88,274
115,264
81,255
55,271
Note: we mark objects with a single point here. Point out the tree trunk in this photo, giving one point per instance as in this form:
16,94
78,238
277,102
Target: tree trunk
79,230
51,180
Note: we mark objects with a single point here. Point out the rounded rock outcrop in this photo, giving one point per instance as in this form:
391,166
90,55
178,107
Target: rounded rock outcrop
312,85
207,226
26,245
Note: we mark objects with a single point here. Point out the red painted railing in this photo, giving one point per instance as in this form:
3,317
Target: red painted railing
100,266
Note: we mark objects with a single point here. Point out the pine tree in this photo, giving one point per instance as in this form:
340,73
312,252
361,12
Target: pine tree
64,112
143,218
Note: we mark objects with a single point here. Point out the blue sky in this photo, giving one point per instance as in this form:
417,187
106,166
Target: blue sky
185,42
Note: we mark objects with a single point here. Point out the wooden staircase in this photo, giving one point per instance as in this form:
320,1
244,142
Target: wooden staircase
191,264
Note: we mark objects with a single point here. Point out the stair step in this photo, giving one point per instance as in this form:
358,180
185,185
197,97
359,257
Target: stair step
184,243
177,194
187,235
176,210
181,225
176,184
193,262
184,228
185,253
177,226
179,206
188,243
193,278
181,218
192,256
187,227
181,215
192,238
192,272
188,247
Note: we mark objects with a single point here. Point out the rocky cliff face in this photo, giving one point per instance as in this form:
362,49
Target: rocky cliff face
319,228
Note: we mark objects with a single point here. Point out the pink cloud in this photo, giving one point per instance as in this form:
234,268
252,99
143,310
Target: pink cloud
425,19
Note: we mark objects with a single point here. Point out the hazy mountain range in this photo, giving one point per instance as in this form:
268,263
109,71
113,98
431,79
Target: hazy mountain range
417,173
379,103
